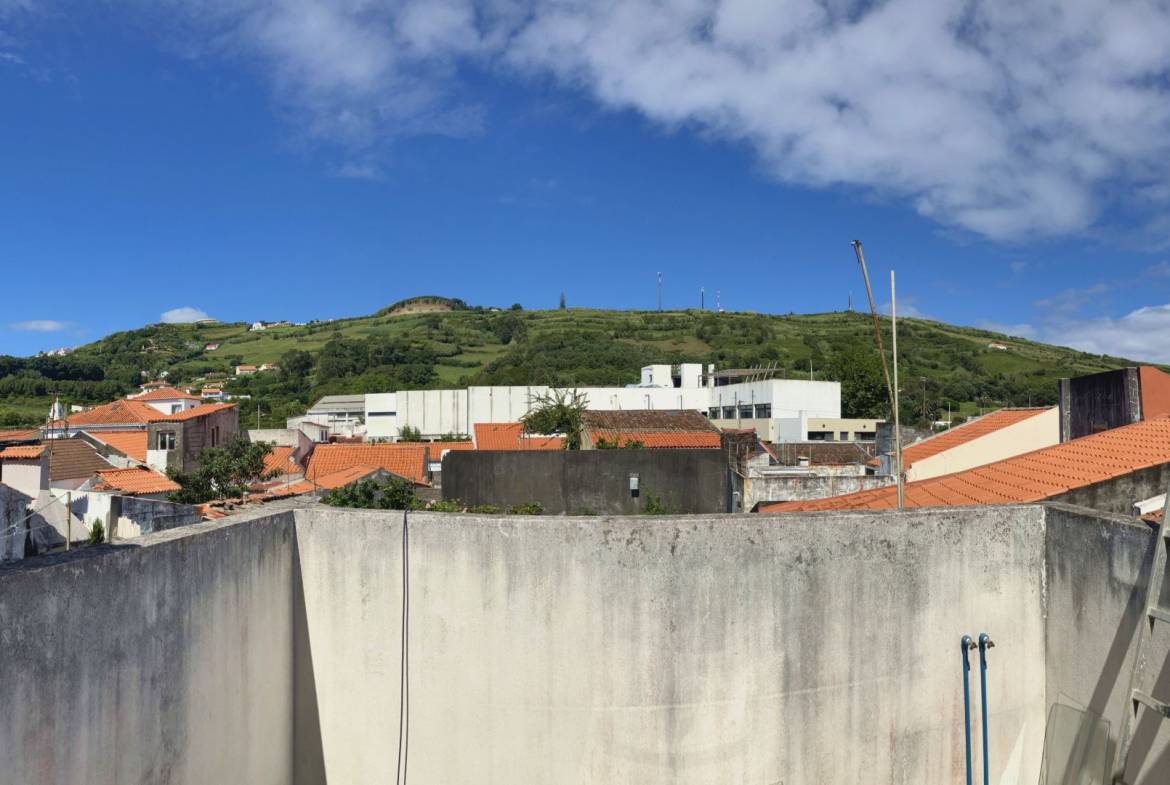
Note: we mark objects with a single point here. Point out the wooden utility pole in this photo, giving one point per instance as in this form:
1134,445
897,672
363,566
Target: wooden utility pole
68,519
897,418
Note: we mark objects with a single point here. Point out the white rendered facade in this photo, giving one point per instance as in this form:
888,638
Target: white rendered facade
777,408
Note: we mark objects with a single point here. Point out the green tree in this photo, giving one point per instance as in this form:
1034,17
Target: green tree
863,383
224,472
295,367
558,411
394,494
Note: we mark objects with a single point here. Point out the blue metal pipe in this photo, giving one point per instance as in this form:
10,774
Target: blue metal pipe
966,645
985,643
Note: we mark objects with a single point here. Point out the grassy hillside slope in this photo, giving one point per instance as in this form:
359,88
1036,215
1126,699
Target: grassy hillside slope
399,348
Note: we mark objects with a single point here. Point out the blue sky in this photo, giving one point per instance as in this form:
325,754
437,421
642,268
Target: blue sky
265,159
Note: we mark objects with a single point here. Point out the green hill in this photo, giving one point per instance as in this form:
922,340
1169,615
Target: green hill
436,342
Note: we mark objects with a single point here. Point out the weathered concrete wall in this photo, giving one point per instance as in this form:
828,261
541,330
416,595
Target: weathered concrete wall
789,488
803,649
166,663
590,482
810,649
1117,496
1097,572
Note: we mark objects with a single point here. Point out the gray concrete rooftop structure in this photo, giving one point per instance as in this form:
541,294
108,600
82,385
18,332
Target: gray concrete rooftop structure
801,649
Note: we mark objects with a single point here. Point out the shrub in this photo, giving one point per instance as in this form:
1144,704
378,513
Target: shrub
444,506
485,509
531,508
97,533
653,505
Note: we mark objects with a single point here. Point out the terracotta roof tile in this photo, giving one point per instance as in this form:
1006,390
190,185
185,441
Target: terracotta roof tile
961,434
1035,476
71,459
404,459
647,420
166,394
279,459
125,412
511,436
132,444
22,453
325,482
661,439
191,414
134,481
23,435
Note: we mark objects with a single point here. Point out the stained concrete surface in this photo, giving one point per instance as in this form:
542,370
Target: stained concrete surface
694,649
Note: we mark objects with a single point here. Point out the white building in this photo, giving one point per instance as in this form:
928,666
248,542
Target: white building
779,409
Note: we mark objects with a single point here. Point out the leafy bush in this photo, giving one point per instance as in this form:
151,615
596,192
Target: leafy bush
408,433
394,494
485,509
531,508
653,505
444,506
97,532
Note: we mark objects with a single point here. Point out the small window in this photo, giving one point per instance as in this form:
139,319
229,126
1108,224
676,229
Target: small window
763,411
165,440
729,412
745,412
214,435
713,413
844,436
176,408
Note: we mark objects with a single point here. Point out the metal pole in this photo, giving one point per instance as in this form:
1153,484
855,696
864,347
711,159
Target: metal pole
966,644
68,519
897,417
877,331
985,643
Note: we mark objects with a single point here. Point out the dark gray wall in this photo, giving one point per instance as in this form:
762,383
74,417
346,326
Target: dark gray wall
582,482
1099,402
1119,494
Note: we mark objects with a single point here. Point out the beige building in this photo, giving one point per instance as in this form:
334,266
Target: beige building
993,437
841,429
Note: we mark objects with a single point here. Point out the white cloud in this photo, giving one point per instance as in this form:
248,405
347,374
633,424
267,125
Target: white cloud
183,315
358,170
41,325
1138,335
1008,119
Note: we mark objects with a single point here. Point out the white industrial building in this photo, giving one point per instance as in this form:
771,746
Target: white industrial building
779,409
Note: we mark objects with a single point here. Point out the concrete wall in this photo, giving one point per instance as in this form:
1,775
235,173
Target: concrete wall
590,482
170,662
27,477
1118,495
1034,433
821,649
1097,569
801,649
783,488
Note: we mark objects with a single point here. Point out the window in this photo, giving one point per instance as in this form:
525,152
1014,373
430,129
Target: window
820,436
844,436
745,411
865,436
214,435
763,411
729,412
381,414
176,408
713,413
165,440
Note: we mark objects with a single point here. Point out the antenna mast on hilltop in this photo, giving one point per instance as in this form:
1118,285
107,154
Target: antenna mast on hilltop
660,291
702,298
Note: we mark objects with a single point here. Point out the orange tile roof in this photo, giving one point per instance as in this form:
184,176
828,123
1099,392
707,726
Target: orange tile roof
191,414
22,435
127,412
166,394
961,434
511,436
1031,477
325,482
25,453
132,444
134,481
659,440
279,460
404,459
